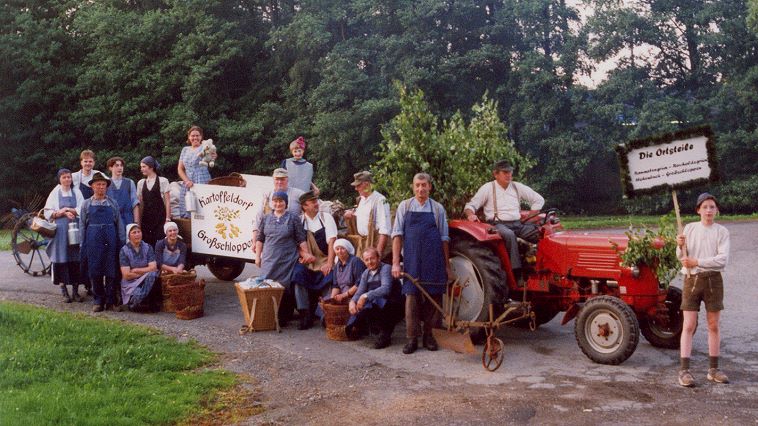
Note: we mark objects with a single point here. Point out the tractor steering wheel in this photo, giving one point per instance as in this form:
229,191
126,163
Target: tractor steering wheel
550,213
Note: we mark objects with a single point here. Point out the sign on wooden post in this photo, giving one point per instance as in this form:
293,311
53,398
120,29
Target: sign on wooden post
669,162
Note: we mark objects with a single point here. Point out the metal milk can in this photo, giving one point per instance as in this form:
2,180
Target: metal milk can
190,201
74,237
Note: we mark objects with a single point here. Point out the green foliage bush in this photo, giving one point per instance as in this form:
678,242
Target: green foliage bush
459,156
655,248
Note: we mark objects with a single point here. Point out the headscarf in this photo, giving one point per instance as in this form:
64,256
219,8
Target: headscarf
152,162
346,245
169,225
281,195
298,143
129,228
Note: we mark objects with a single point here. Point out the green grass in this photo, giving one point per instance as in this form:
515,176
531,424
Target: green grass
5,239
590,222
59,368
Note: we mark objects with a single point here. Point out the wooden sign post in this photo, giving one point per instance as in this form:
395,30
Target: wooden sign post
669,162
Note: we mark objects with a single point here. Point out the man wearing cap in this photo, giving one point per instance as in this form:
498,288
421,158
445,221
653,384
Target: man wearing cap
102,237
281,184
501,201
369,223
420,230
314,277
703,250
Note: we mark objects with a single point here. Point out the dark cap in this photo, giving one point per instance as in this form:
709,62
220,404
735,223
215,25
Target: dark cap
361,177
310,195
98,176
502,165
703,197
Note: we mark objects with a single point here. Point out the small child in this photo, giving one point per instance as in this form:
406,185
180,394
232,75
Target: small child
707,245
300,171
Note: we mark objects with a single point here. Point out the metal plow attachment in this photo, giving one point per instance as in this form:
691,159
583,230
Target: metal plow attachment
454,340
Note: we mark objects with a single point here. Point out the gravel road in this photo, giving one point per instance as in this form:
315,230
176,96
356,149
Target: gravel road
303,378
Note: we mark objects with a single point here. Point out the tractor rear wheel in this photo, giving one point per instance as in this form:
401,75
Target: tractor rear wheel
479,271
665,335
607,330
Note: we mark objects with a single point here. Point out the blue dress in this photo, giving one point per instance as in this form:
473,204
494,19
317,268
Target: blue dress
65,258
281,237
134,292
195,171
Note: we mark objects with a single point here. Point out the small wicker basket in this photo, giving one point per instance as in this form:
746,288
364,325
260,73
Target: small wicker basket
170,280
188,299
335,317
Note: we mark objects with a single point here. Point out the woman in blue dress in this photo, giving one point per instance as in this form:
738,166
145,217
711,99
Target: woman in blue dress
171,252
189,168
138,268
124,191
280,244
63,206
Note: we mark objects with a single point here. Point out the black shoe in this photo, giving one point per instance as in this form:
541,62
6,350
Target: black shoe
382,341
430,343
98,308
411,346
76,297
306,321
66,297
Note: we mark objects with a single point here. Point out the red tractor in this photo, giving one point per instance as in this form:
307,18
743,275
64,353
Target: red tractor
573,272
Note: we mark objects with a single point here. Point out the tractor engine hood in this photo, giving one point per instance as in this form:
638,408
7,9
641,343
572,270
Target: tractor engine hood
582,254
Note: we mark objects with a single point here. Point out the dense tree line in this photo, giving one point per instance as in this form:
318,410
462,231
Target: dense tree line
128,77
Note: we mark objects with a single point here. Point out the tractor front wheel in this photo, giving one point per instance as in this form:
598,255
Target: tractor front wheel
607,330
665,334
226,269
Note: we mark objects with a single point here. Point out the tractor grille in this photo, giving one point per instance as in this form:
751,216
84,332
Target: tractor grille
605,262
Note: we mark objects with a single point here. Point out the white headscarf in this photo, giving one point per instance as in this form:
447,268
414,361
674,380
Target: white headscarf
129,228
346,245
170,225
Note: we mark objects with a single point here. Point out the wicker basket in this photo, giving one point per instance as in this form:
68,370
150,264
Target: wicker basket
170,280
335,318
234,179
188,299
260,306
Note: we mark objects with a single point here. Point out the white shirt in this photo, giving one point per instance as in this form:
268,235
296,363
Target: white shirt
314,224
508,200
151,183
378,203
708,244
79,177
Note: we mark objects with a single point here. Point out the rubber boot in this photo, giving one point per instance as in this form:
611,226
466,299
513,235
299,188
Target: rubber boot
64,291
411,346
75,294
306,321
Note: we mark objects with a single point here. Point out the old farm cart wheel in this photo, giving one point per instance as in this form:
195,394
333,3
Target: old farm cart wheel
29,248
493,352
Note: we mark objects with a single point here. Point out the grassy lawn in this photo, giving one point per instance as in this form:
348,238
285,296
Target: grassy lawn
5,239
590,222
59,368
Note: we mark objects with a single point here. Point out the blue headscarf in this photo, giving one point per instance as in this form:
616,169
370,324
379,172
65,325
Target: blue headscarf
282,195
152,162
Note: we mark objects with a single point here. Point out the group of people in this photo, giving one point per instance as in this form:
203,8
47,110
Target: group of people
296,244
378,268
127,237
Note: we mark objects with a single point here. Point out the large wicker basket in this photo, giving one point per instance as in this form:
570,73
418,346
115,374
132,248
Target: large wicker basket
188,299
260,306
234,179
335,318
170,280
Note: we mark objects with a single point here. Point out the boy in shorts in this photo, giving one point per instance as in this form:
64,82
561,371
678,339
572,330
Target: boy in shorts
707,245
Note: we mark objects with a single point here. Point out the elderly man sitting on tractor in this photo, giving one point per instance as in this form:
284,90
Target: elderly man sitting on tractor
501,200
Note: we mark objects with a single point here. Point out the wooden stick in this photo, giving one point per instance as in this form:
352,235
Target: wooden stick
679,227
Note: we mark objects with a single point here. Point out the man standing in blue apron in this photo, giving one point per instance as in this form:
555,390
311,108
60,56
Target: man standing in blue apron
102,238
81,180
421,232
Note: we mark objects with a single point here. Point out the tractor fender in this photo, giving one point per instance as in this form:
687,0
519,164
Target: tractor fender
479,231
572,312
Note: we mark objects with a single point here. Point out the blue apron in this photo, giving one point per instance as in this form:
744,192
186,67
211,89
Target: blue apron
280,253
100,245
379,302
134,292
58,249
423,257
170,257
123,197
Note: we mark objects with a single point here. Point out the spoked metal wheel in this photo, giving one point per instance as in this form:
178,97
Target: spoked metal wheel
493,353
29,248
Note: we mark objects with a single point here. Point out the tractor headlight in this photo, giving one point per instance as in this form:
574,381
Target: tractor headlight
635,271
